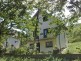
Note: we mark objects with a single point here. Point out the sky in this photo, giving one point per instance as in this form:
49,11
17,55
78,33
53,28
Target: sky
67,13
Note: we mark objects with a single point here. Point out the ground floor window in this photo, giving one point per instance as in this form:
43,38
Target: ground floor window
49,44
31,46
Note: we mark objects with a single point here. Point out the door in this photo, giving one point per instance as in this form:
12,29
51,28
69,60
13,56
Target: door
38,47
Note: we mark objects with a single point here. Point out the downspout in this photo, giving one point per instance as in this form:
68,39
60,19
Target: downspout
59,44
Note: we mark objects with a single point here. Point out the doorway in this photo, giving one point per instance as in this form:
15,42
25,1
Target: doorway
38,47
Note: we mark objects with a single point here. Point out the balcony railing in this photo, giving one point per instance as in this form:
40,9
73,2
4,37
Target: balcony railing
48,36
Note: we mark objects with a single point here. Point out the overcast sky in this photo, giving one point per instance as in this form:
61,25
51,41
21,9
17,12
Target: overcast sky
67,13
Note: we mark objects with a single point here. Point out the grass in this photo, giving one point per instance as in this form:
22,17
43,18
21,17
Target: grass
73,48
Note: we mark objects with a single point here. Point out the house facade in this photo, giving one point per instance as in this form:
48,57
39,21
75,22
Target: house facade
11,41
46,42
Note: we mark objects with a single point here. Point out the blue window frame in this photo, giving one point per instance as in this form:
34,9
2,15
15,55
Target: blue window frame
45,31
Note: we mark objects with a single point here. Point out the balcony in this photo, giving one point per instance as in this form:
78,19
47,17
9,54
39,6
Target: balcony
50,35
47,36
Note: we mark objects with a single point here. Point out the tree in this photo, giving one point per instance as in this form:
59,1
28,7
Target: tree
17,11
14,11
75,34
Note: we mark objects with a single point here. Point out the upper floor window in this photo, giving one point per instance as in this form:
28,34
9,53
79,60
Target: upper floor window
45,31
45,18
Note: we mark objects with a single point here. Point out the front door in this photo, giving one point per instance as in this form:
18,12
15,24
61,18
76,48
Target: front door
38,47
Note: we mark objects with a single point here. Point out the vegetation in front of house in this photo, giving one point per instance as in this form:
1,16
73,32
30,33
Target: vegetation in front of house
74,40
15,11
74,35
73,48
29,59
50,58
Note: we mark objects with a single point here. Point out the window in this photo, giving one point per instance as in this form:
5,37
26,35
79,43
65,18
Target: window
49,44
31,46
45,31
45,18
16,41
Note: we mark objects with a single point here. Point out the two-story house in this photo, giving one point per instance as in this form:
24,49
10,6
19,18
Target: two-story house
45,41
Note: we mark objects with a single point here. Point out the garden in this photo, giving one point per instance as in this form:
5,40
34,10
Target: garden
16,21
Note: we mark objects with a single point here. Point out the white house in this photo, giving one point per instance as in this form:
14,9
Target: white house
12,41
47,42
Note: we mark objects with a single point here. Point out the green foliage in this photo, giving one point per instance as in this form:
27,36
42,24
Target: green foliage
16,11
50,58
11,8
59,25
11,58
75,34
73,48
22,50
28,59
13,11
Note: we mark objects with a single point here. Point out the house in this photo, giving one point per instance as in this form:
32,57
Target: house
11,41
45,41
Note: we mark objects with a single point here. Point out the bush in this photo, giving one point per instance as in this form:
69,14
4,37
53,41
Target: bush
11,58
50,58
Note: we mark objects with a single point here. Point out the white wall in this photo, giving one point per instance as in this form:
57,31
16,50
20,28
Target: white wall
44,49
61,41
11,41
44,25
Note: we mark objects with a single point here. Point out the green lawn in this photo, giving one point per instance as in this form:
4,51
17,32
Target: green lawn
73,48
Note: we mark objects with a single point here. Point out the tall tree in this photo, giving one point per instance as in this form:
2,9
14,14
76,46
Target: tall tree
15,12
75,34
